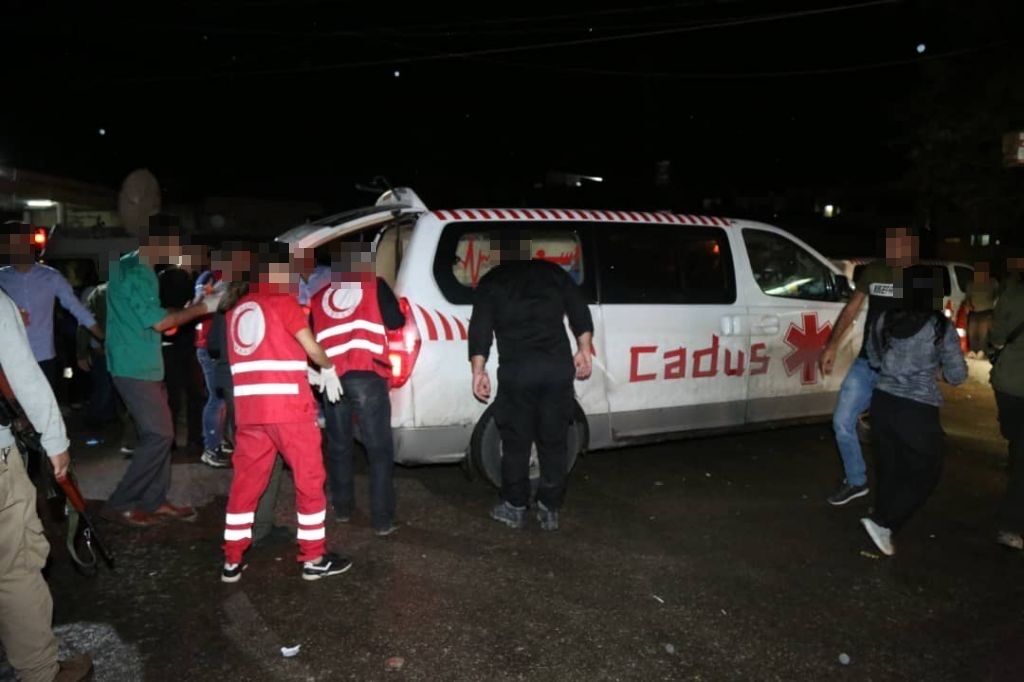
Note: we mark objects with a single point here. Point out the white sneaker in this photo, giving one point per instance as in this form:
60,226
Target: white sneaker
1010,539
881,536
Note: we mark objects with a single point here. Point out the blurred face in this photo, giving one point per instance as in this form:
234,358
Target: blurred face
349,257
900,247
302,261
278,277
17,249
162,250
981,272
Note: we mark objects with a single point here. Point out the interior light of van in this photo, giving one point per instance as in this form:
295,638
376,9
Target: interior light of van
403,346
40,203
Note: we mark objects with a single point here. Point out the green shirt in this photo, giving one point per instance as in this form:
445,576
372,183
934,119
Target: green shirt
133,307
1008,372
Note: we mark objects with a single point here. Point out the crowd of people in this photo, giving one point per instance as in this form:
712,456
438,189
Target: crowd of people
293,360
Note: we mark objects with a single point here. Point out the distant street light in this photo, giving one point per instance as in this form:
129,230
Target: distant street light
921,47
102,131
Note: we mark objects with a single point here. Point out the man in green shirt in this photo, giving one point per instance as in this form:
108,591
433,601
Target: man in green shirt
135,321
1008,382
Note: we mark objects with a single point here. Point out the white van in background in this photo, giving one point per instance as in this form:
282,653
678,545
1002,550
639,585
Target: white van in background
701,323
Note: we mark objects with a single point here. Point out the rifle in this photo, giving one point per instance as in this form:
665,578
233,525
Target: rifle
30,445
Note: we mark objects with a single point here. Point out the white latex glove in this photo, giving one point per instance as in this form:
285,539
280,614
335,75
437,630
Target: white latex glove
313,376
212,301
330,384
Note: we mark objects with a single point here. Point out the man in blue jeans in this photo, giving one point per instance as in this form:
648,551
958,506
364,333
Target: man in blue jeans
880,283
351,319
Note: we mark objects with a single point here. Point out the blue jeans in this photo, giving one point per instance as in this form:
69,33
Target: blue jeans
365,401
854,399
213,411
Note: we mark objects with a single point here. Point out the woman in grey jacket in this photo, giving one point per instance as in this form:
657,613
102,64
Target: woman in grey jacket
908,347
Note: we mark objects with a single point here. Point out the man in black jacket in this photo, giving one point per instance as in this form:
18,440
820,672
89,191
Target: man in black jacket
523,303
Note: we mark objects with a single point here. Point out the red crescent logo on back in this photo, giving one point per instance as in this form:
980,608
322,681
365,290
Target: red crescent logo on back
342,299
248,328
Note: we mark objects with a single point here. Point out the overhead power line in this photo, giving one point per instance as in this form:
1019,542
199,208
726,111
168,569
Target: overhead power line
444,56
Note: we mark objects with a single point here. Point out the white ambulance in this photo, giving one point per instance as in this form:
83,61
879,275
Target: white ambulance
702,324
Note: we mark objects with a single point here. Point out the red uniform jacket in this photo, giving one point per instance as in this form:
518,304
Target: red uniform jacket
268,366
349,326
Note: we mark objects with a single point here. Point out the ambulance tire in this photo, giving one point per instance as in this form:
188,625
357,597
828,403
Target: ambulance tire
485,447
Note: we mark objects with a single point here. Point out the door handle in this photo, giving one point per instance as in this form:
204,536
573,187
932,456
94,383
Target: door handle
766,326
730,325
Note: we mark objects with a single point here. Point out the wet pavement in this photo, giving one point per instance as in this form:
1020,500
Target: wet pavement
703,559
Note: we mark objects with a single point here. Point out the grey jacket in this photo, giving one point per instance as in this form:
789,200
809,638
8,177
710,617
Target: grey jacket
909,368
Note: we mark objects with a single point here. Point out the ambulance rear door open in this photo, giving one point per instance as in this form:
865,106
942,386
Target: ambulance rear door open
673,334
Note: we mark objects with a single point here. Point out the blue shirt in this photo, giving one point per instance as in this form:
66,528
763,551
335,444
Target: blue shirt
34,291
318,279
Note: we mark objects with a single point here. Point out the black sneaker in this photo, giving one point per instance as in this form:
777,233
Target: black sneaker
329,564
231,573
548,517
847,493
385,531
509,514
215,458
226,447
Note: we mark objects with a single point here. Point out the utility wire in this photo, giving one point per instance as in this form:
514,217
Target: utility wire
745,21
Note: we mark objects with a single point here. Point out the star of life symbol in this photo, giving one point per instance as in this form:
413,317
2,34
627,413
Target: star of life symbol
248,328
342,299
807,342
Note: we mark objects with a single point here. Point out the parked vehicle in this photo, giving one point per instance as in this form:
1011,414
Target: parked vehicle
702,324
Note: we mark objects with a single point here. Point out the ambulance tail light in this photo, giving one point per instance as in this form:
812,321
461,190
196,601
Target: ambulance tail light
403,347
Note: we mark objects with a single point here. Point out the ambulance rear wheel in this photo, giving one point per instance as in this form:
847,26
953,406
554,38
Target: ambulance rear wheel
485,447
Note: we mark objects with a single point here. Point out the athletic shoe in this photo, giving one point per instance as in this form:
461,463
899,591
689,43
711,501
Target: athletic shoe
847,493
548,517
509,514
329,564
386,530
127,451
231,573
1010,539
880,535
226,447
215,459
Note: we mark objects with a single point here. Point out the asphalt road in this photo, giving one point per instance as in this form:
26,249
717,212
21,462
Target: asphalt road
713,559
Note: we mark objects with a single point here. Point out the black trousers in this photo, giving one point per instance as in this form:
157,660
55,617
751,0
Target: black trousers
908,450
1011,423
534,406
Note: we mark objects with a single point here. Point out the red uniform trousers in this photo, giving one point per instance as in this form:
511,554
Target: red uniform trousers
256,446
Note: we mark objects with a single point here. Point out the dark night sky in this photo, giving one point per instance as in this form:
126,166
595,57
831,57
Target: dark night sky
264,96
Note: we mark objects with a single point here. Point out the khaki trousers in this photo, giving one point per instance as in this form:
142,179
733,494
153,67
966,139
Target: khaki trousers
26,608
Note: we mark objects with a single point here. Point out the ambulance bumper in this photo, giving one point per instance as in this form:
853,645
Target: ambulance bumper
432,445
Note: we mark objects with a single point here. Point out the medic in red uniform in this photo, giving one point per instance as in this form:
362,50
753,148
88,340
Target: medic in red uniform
351,319
268,345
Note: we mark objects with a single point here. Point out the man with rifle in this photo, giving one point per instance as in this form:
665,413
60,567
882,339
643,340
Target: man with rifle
26,607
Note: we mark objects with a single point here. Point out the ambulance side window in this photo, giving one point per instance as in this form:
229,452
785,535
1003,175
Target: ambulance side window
784,269
666,264
467,251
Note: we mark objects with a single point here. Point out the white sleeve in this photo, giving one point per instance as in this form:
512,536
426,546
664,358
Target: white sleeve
28,381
